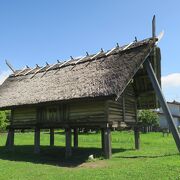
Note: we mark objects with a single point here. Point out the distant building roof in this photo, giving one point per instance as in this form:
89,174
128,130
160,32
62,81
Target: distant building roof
177,116
174,102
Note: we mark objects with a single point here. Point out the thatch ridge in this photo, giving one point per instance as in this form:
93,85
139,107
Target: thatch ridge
72,61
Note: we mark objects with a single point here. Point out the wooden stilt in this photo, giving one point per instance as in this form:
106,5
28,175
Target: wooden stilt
107,143
51,137
102,139
7,140
10,139
75,138
37,140
68,142
137,138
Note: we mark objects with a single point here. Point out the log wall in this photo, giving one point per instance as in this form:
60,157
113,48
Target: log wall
22,116
82,113
93,111
123,110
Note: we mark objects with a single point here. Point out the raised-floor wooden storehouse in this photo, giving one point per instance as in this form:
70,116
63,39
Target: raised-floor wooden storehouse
97,91
100,91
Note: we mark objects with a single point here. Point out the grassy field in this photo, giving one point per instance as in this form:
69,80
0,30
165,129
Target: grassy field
157,159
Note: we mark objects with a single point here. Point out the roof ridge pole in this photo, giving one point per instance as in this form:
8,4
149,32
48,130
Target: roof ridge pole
154,26
163,102
154,47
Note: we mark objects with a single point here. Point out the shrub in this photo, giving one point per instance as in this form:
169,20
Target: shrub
148,118
4,119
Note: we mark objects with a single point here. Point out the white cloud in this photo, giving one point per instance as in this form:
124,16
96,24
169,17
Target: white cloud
171,80
171,86
3,76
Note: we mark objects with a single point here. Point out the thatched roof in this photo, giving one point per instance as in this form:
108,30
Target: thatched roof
103,75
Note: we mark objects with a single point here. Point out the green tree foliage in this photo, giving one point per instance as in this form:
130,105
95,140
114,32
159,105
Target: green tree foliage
4,119
148,118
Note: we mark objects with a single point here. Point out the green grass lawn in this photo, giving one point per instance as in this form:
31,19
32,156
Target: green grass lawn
157,159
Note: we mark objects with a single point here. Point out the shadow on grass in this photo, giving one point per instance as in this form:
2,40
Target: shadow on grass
147,156
52,155
80,133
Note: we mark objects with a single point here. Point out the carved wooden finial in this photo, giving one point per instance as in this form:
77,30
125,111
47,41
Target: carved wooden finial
154,26
10,66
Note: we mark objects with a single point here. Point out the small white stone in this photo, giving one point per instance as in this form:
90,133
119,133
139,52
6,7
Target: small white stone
91,157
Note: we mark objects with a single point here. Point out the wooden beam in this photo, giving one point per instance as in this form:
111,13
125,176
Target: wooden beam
30,70
10,140
63,64
97,54
107,142
79,60
112,50
137,138
10,66
51,137
68,152
50,67
21,71
124,107
75,138
154,26
38,70
37,140
163,102
126,47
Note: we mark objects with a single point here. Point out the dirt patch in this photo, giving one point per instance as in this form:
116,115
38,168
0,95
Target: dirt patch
95,164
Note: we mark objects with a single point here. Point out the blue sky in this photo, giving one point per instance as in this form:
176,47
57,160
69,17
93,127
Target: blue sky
38,31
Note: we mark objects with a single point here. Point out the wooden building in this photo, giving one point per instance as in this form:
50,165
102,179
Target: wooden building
174,108
100,91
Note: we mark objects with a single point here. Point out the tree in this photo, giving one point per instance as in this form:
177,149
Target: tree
148,118
4,119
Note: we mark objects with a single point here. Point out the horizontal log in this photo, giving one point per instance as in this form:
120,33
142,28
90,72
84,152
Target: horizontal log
130,99
87,112
114,116
128,110
115,110
16,112
21,117
87,109
23,123
88,106
87,118
119,106
130,117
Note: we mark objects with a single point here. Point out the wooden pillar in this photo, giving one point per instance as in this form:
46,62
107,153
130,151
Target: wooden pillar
107,142
102,139
75,138
163,103
68,152
37,140
51,137
137,138
10,139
